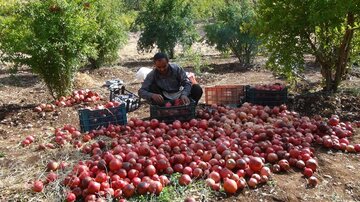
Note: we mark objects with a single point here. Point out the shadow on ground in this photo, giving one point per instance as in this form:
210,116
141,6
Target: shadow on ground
18,80
8,109
345,104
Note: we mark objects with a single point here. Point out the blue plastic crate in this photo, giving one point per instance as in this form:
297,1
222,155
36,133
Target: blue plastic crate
94,119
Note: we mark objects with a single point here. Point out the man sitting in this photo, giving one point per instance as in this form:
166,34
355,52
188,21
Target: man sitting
168,82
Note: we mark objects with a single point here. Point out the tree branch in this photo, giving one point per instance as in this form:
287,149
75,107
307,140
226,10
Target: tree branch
317,53
355,28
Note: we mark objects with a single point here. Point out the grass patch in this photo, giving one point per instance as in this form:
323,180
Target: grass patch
2,154
175,192
271,183
355,91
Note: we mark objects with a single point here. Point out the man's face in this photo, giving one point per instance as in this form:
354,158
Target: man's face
161,65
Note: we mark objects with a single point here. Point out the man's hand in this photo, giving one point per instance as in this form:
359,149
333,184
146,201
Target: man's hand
157,98
185,99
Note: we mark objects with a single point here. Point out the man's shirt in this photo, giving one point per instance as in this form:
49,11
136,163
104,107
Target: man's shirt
170,82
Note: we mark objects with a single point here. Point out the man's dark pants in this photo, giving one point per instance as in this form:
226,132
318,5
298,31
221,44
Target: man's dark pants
195,93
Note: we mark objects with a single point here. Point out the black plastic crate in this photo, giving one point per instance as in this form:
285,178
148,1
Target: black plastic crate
266,97
120,94
170,114
94,119
132,101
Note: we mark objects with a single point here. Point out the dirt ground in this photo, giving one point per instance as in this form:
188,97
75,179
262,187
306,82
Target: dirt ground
21,92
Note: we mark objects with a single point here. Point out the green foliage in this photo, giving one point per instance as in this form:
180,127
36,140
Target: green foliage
232,31
134,4
164,24
6,8
326,29
355,51
206,9
193,57
52,37
113,24
128,19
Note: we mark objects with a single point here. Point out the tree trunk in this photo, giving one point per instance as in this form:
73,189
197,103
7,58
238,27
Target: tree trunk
326,66
238,56
93,63
333,77
248,54
344,51
327,75
171,54
237,53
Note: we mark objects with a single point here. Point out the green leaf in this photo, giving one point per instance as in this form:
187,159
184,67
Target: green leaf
165,24
232,31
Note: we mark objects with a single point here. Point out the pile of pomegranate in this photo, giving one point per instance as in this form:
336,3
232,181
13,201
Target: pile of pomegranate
226,147
269,87
77,97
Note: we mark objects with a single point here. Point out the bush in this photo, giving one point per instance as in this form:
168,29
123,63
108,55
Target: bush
329,30
232,31
192,57
134,4
165,23
52,37
113,23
